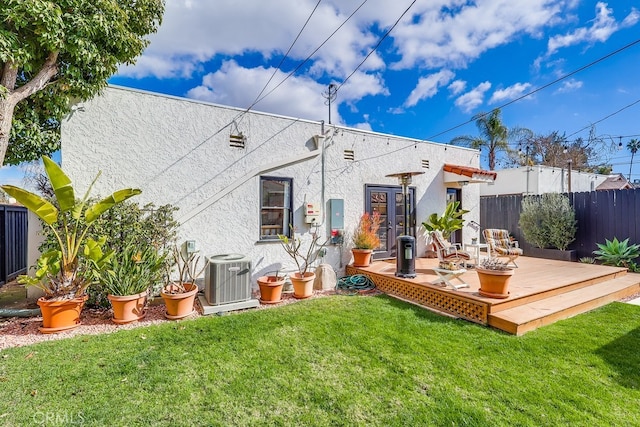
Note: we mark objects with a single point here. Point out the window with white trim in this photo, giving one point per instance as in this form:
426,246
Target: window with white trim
276,205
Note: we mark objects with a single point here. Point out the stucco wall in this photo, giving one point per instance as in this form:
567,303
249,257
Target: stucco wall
177,151
542,179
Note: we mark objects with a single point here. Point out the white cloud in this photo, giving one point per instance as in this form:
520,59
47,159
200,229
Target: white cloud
453,33
474,98
457,87
509,93
603,26
570,85
195,32
437,33
238,86
428,87
296,97
363,126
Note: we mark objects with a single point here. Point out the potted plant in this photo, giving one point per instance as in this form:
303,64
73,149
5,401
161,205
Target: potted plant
365,239
548,222
494,278
65,272
271,288
180,292
302,280
127,280
449,222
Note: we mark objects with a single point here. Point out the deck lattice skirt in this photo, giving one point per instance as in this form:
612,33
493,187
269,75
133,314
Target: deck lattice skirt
428,296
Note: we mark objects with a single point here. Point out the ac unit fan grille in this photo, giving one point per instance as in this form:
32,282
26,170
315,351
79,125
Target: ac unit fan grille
227,279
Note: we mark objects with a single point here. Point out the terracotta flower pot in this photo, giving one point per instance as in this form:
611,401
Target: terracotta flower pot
302,285
270,289
62,315
361,257
179,305
494,283
129,308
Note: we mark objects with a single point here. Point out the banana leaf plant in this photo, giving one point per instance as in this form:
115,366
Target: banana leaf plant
67,271
450,221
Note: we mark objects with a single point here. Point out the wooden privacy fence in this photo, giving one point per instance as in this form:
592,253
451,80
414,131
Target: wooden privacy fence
13,242
600,214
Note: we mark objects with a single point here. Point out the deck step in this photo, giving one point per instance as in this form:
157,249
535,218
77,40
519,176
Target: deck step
524,318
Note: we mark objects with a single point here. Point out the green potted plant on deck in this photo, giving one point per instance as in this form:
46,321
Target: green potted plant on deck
128,278
302,280
365,239
65,272
447,223
179,294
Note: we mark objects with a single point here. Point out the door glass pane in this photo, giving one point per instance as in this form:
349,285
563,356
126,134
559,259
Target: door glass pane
379,204
399,215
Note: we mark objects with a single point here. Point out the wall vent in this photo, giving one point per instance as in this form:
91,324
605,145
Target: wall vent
425,164
227,279
237,141
349,155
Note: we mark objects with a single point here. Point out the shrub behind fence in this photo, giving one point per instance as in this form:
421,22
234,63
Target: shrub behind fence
600,214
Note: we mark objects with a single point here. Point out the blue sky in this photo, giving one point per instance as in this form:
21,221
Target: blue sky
444,61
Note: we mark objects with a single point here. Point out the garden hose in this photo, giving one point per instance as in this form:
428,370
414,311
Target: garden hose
352,285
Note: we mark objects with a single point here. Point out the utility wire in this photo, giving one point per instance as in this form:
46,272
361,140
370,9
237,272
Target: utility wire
256,100
538,89
377,45
605,118
584,67
312,53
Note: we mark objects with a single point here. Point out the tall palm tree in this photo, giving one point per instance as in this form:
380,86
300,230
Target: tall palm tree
494,135
633,146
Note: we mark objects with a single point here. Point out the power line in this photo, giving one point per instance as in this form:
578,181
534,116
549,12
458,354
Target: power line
256,100
538,89
312,53
377,45
605,118
245,111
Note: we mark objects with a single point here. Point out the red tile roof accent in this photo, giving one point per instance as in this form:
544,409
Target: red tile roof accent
469,171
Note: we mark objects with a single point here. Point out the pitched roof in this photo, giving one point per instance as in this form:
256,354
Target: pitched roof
615,182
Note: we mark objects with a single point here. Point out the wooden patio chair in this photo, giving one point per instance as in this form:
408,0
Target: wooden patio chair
448,252
499,245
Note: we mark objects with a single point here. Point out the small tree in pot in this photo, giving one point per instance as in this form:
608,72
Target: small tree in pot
302,280
548,221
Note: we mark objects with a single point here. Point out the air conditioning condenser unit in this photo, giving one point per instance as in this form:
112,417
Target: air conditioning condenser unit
227,284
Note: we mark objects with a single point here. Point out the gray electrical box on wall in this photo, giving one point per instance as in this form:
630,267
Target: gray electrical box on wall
336,220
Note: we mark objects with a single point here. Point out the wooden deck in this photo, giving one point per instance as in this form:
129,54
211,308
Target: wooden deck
541,291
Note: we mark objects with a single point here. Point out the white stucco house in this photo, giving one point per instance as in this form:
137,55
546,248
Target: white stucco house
538,179
240,177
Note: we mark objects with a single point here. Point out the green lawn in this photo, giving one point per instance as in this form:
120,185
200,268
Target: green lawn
333,361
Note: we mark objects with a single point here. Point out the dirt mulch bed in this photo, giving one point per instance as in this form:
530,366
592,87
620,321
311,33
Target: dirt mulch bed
18,331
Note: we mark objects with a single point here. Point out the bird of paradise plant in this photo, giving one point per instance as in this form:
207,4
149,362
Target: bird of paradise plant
66,271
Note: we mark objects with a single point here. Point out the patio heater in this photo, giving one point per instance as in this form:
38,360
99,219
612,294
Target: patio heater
406,244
